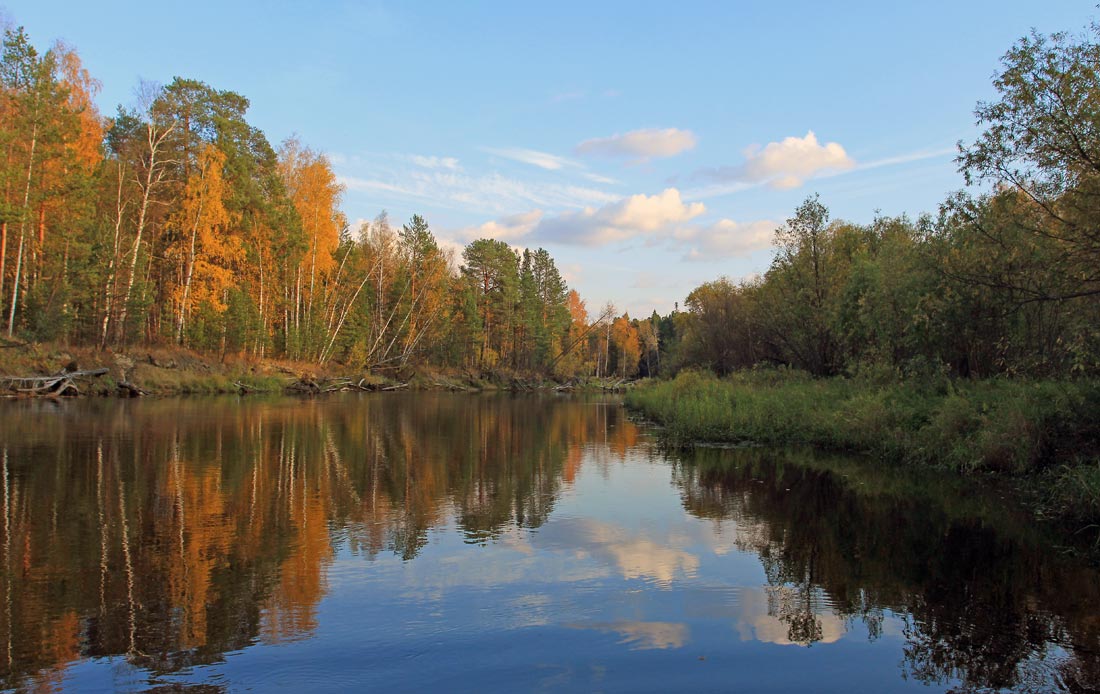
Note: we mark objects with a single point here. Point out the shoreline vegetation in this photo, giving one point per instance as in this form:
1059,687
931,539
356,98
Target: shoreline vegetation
168,371
177,224
967,340
174,245
1044,434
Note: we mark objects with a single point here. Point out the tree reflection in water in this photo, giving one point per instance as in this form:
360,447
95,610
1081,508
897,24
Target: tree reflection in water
174,532
979,588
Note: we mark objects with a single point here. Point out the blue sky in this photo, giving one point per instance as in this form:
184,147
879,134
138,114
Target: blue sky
648,146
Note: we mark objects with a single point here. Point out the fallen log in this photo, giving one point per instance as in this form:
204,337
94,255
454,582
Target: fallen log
61,383
129,390
306,386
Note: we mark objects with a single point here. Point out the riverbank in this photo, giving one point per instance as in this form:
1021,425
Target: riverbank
178,371
1045,433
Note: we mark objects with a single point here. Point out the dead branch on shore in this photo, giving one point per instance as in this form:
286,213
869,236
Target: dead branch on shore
61,383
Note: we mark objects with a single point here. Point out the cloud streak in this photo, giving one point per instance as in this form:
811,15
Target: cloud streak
432,162
494,192
533,157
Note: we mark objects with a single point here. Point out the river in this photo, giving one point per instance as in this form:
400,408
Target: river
500,543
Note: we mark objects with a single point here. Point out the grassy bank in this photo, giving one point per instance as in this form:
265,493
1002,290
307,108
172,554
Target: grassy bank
1046,429
178,371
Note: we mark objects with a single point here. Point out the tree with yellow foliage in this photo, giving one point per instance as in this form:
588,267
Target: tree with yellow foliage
315,193
628,349
207,250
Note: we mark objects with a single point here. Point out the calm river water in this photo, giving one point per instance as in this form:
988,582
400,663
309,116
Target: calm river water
458,543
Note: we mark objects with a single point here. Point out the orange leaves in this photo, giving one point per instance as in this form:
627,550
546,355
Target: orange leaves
82,89
312,186
209,251
625,338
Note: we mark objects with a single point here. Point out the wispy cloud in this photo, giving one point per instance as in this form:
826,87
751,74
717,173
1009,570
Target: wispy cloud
493,193
640,145
543,160
597,178
431,162
919,155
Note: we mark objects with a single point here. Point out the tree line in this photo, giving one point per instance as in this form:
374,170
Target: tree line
1004,280
177,222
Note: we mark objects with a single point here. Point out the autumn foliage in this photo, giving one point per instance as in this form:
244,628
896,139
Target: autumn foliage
177,222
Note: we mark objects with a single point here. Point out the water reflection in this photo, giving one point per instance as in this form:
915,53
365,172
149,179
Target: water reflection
172,533
179,530
978,587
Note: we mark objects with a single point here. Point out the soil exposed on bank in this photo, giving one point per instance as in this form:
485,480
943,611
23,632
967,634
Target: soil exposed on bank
158,370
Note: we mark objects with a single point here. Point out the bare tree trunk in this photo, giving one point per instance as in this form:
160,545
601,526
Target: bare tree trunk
23,224
4,225
326,352
153,175
3,255
182,317
297,314
109,285
312,279
263,318
607,349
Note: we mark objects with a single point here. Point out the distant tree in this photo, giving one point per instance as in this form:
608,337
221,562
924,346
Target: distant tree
719,327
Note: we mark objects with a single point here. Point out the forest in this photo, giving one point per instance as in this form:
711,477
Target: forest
176,222
1003,281
968,339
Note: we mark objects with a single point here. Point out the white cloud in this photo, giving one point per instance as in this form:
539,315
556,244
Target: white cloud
661,219
784,164
652,212
508,228
543,160
644,144
730,181
635,216
726,238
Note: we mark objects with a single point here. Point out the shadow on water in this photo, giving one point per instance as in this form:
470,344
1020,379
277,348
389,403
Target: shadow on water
171,533
980,587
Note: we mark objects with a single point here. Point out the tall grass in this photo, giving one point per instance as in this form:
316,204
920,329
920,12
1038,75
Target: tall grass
1001,425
